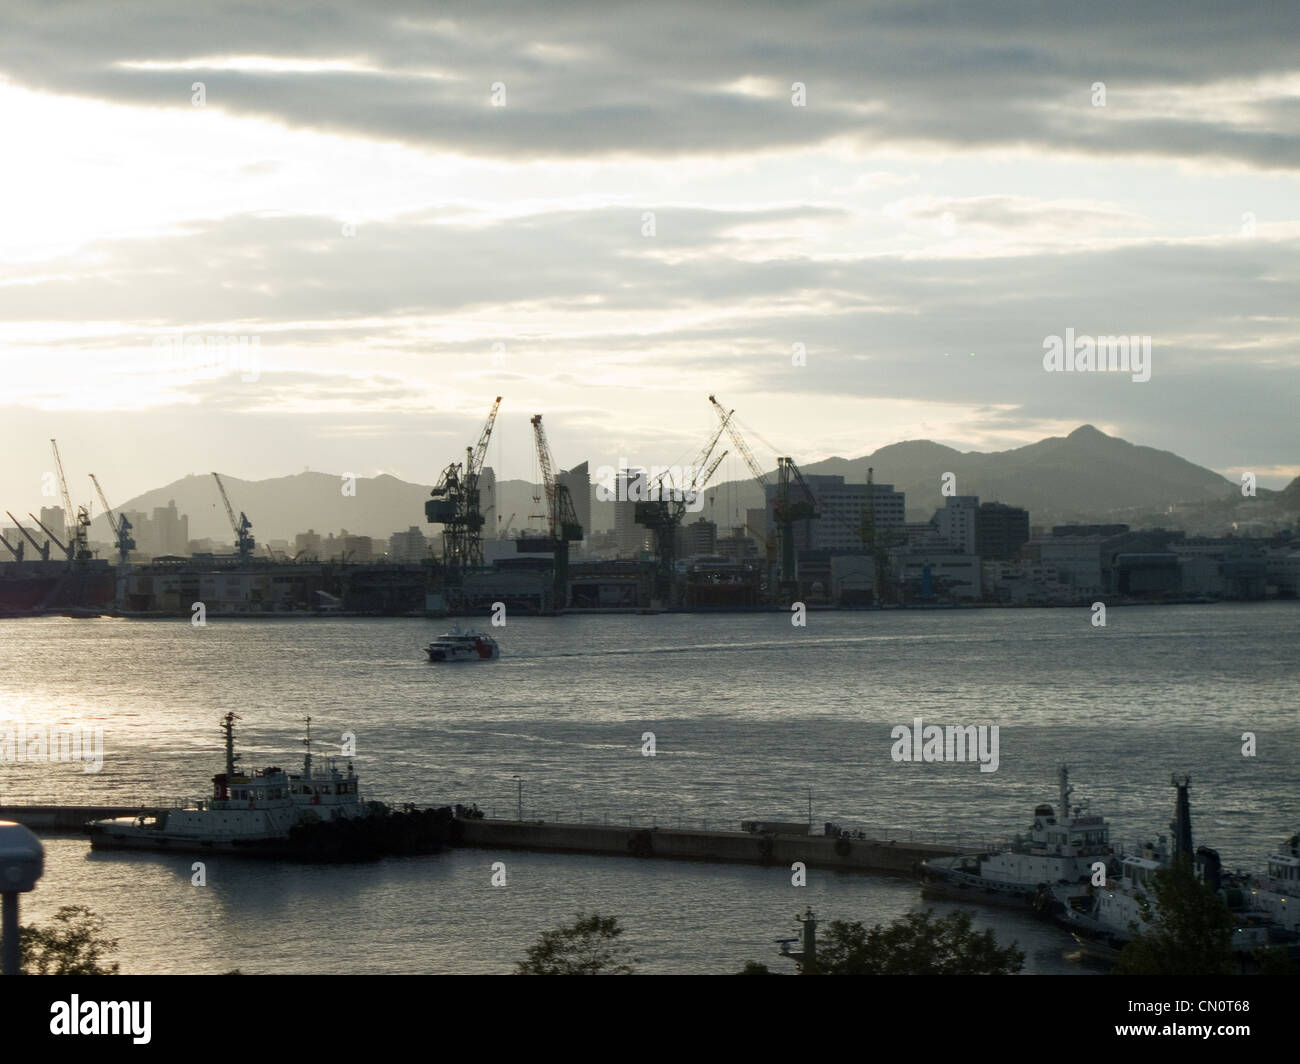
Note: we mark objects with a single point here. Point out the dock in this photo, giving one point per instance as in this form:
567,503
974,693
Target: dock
70,818
686,844
890,856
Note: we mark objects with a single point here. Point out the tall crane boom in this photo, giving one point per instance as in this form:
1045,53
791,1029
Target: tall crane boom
78,520
739,441
122,539
42,548
562,526
243,528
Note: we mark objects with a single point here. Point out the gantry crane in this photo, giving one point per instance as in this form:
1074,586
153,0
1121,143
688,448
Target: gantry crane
243,528
785,509
123,541
456,505
663,516
877,542
78,521
43,549
562,526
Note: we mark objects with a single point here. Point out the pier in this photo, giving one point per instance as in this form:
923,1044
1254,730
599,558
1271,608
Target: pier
780,847
687,844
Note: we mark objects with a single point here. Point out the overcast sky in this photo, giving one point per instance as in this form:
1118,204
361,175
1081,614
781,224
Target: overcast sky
605,213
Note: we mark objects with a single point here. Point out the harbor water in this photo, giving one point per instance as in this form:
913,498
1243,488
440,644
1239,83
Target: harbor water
745,713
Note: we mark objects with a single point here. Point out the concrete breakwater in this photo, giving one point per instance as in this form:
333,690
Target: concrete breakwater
69,818
685,844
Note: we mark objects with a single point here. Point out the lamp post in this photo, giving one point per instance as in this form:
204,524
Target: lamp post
22,862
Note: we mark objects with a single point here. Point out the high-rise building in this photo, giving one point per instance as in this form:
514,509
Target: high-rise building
308,543
631,537
1000,531
699,537
409,546
53,518
841,506
578,481
956,522
171,530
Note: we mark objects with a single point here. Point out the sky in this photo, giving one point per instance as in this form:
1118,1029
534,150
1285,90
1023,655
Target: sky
262,238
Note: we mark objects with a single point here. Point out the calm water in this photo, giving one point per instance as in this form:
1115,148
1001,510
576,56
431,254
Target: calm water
748,712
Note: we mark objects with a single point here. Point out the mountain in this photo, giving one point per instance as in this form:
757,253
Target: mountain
1085,476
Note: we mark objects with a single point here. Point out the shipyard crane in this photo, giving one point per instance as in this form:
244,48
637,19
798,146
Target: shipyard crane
877,542
42,548
785,510
243,528
52,538
78,521
455,504
663,516
562,527
122,538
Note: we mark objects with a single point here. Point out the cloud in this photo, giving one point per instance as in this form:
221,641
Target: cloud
681,78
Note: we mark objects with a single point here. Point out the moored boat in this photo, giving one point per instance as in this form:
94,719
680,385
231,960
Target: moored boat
318,814
1059,852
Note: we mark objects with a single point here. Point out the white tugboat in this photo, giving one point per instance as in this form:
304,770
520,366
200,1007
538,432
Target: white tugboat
1278,892
247,811
1104,919
1058,852
463,646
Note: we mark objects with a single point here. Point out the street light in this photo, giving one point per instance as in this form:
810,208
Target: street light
22,862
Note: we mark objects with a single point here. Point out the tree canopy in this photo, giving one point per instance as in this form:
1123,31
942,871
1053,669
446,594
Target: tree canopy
73,944
915,944
588,946
1191,932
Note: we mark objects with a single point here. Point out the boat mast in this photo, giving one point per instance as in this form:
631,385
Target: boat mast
1066,790
228,726
306,761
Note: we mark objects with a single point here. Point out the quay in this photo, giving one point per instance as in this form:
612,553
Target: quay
783,846
686,844
70,818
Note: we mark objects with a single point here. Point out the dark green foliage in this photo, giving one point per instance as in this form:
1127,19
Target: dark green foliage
588,946
1192,933
73,944
915,944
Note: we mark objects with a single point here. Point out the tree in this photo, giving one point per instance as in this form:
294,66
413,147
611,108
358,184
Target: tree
73,944
588,946
915,944
754,968
1191,931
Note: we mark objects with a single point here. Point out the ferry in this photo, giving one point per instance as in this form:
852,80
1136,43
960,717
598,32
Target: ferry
1058,852
463,646
247,811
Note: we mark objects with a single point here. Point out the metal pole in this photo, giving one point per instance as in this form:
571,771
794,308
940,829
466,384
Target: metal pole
10,931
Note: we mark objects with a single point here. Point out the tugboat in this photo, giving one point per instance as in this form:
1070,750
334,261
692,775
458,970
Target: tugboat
1058,852
1104,919
463,646
247,812
1278,892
